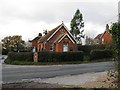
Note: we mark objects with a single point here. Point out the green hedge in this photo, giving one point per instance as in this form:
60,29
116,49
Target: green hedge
46,56
101,54
60,56
20,56
87,48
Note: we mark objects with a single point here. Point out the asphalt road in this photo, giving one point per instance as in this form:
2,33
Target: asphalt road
11,73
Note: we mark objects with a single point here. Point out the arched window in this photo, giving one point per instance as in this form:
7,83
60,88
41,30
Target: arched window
65,47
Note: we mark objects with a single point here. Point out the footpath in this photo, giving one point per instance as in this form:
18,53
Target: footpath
87,80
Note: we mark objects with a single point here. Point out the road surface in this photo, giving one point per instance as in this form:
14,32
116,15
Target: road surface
11,73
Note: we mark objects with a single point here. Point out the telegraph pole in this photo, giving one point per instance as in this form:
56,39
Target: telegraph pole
119,11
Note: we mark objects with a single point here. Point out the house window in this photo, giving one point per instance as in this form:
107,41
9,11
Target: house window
51,47
97,41
65,47
102,40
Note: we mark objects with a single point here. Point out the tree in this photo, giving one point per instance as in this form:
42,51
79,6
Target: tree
115,30
76,26
13,43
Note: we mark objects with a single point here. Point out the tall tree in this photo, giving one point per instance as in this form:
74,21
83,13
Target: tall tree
77,25
115,30
12,43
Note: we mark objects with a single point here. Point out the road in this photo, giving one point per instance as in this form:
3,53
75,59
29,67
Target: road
11,73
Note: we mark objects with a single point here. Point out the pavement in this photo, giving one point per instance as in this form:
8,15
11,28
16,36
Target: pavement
74,80
87,80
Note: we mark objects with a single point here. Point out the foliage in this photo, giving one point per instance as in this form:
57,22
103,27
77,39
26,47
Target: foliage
20,56
87,48
115,31
46,56
101,54
76,25
60,56
12,43
4,51
112,76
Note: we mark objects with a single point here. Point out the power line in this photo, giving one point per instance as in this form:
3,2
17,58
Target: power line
107,21
111,19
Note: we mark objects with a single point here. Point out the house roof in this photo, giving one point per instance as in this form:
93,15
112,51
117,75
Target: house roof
35,39
98,36
52,32
45,37
64,37
106,32
58,38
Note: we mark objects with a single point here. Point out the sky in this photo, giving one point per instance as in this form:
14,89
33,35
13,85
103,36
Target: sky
30,17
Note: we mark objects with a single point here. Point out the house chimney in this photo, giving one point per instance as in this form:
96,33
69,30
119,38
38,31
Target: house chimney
107,27
45,31
40,35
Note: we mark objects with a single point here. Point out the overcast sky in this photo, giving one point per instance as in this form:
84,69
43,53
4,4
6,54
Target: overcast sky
30,17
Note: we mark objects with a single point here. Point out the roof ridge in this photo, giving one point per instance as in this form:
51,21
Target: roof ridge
45,37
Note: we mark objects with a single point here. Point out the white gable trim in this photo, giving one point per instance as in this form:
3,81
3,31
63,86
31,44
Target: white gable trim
57,31
69,32
64,37
54,33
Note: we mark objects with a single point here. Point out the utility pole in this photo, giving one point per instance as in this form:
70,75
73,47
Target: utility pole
119,11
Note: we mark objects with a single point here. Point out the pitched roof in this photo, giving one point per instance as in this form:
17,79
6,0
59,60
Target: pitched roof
58,38
45,37
53,31
98,36
68,37
35,39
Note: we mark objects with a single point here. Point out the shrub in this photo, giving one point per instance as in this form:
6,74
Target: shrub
101,54
87,48
46,56
4,51
60,56
20,56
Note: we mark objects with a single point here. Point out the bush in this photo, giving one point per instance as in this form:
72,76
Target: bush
20,56
101,54
60,56
46,56
4,51
87,48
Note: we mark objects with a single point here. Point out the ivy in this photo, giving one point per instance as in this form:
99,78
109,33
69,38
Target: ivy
115,31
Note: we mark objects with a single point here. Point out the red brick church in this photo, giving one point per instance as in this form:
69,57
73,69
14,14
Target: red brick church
58,39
